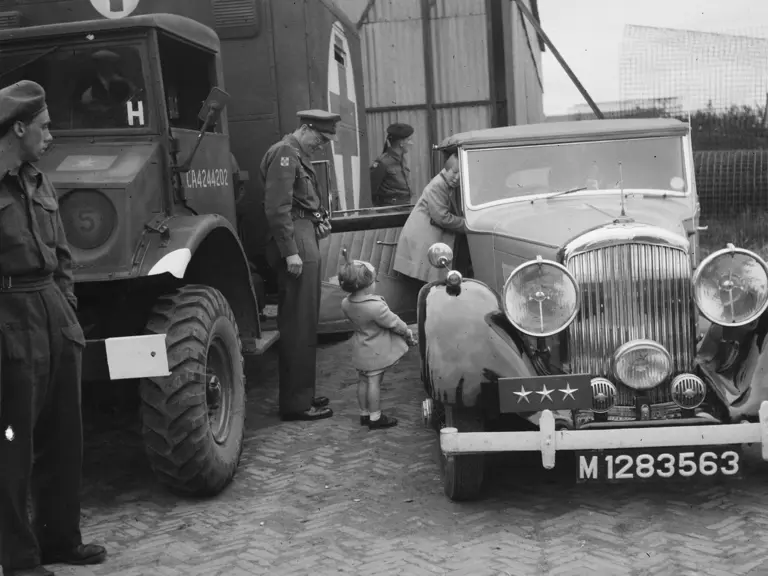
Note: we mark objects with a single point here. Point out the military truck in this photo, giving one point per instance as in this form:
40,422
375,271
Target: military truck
160,111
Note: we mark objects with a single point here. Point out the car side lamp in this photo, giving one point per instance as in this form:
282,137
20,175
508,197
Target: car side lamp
440,256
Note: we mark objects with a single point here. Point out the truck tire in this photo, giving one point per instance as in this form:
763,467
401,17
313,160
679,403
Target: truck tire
193,421
462,475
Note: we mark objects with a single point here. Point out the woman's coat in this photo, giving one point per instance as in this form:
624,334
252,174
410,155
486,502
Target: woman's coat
434,218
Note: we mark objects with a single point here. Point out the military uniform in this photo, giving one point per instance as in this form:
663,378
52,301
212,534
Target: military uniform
293,210
390,174
41,345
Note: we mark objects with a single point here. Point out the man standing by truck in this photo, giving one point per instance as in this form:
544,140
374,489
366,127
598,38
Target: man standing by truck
41,345
296,222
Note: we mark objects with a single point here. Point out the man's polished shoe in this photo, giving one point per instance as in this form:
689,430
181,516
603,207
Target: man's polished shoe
311,414
81,555
37,571
320,402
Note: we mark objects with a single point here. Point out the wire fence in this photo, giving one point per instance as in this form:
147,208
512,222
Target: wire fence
718,82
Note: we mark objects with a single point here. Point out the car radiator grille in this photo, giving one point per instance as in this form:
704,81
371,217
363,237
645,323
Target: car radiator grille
631,291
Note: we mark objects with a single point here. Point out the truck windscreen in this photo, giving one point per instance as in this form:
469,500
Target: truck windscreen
87,87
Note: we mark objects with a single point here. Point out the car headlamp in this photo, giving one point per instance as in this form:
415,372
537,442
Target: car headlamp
541,298
642,364
730,287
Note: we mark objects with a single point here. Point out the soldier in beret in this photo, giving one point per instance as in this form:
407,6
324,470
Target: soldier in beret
390,175
41,345
297,222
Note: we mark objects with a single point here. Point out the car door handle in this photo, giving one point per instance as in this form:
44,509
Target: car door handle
702,228
382,243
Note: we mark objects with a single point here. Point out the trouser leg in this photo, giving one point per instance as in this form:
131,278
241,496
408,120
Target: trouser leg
297,318
59,439
19,545
24,372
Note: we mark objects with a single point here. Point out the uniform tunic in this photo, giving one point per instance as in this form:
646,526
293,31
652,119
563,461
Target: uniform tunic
292,207
41,345
390,179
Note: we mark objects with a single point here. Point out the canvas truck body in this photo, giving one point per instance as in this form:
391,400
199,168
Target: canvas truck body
591,324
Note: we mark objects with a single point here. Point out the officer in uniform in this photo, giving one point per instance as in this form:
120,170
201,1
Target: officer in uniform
390,175
41,345
296,223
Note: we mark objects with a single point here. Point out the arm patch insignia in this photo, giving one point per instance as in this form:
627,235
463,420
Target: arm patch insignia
284,161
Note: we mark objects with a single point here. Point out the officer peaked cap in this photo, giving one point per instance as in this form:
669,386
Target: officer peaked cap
399,131
320,120
21,101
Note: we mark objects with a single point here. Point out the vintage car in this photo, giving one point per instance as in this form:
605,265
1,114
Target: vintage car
589,324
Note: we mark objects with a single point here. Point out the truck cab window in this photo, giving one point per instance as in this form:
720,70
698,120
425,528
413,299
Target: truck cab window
188,76
88,87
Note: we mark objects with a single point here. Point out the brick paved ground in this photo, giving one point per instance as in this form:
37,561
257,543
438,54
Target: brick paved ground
332,498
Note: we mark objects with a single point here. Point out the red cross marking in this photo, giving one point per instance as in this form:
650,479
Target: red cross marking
116,6
346,146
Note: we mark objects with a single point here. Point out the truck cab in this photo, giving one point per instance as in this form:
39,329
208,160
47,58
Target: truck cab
142,166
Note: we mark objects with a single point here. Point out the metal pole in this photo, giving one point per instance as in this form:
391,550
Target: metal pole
524,9
429,79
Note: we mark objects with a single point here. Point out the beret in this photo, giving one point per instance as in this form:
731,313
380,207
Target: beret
320,120
25,99
400,131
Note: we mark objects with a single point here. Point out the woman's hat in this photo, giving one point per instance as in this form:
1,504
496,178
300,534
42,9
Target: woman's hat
399,131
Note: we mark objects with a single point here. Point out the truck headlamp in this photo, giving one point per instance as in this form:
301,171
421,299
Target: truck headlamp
89,218
541,298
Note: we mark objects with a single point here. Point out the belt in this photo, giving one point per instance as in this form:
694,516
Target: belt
303,214
25,283
394,198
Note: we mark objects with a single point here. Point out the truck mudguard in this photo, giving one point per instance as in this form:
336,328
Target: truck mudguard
205,249
463,337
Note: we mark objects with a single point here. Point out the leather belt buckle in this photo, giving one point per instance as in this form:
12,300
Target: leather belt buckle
6,283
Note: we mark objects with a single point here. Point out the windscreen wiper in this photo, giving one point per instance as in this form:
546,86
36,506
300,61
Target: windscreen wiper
561,193
30,61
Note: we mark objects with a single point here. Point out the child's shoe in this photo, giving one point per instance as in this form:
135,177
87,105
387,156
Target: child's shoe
364,420
384,421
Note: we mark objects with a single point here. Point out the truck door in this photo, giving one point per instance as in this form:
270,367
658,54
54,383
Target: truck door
189,73
368,234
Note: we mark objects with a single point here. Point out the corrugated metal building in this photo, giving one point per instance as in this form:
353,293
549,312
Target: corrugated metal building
446,66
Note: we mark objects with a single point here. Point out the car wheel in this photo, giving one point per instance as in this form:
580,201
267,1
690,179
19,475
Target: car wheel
462,475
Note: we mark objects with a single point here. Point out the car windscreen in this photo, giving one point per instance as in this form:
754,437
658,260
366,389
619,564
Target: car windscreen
514,172
87,87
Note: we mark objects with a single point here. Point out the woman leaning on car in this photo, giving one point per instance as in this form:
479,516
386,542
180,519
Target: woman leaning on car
434,218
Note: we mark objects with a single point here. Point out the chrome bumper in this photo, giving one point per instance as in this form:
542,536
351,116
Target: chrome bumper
548,440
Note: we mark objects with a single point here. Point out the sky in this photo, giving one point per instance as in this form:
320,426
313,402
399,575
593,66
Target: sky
588,35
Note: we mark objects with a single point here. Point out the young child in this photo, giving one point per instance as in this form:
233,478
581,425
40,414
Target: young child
381,337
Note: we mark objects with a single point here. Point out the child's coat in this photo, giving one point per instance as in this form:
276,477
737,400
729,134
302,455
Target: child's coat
379,339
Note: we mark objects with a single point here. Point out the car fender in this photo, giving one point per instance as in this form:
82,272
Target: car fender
464,336
204,249
735,362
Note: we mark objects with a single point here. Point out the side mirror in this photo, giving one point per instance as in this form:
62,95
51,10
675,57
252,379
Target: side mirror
209,114
213,106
